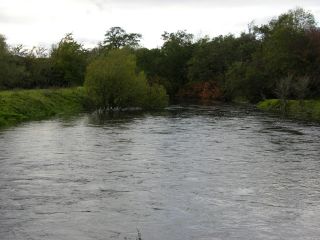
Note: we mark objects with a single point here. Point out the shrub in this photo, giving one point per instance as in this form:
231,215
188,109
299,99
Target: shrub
112,81
157,97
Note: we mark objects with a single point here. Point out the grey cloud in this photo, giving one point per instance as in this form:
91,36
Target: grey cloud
7,18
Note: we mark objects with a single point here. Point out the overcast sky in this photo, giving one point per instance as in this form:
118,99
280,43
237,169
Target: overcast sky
43,22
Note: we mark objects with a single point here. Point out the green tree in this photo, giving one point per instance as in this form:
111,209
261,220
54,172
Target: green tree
12,70
283,90
285,42
4,66
224,60
283,49
68,63
312,57
112,81
39,70
297,19
212,58
116,38
3,45
177,50
150,61
156,98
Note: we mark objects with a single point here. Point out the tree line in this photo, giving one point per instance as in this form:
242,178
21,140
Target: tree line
279,59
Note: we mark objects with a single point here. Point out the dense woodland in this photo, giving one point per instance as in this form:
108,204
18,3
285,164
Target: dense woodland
280,59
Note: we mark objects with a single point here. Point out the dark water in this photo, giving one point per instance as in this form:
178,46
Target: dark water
190,173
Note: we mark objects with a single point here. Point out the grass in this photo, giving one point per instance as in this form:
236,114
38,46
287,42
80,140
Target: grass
23,105
305,110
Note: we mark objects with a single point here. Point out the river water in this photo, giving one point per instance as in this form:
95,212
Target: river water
193,172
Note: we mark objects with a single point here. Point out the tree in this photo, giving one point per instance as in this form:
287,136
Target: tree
281,53
283,90
68,62
177,50
285,42
19,50
112,81
157,97
150,61
246,81
297,19
212,58
4,66
181,38
312,59
301,87
39,69
116,38
12,71
3,45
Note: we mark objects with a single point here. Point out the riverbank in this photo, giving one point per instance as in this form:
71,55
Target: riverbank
305,110
23,105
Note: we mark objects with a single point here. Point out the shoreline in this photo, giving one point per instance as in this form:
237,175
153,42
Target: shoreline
17,106
308,110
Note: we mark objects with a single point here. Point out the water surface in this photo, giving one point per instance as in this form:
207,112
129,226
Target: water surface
195,172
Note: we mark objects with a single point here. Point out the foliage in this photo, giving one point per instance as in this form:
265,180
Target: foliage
156,98
168,65
68,63
301,87
150,61
22,105
250,66
283,47
180,38
116,38
12,72
39,72
112,81
297,19
177,50
212,58
309,110
312,57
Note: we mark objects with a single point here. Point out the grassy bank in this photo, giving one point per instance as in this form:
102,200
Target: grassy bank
305,110
22,105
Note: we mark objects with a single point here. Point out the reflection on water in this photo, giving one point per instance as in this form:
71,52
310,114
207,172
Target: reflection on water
219,172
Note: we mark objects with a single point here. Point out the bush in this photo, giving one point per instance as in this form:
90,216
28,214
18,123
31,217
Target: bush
157,97
113,82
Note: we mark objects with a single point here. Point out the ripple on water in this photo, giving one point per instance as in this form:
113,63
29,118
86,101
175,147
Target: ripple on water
213,172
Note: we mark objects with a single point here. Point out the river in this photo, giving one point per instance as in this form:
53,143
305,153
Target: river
192,172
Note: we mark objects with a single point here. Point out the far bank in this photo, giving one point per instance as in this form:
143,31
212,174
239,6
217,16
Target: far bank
22,105
300,109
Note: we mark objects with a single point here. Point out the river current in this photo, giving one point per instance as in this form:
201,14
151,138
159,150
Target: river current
191,172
